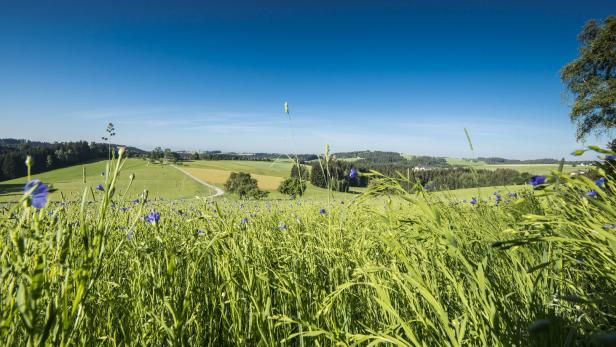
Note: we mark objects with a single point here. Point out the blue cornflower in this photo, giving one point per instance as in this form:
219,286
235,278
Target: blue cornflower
244,220
100,187
353,173
473,201
38,198
282,226
200,232
153,217
123,209
498,198
600,182
512,195
322,211
610,157
136,201
130,235
592,194
537,180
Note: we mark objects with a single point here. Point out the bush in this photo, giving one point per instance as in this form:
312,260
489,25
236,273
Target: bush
242,184
292,186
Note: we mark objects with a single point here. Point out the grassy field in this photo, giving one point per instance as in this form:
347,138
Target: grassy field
280,168
481,193
534,169
536,270
161,181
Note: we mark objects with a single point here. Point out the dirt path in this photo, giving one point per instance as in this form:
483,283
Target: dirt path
218,191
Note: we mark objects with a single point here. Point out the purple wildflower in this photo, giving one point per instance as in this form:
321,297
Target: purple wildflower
322,211
136,201
610,157
600,182
353,173
537,180
153,217
100,187
592,194
244,220
38,198
473,201
282,226
130,235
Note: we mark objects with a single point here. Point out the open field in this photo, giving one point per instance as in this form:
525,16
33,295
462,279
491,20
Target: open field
161,181
481,193
534,169
280,168
422,271
219,177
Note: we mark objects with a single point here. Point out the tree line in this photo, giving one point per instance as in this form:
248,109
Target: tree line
49,156
336,174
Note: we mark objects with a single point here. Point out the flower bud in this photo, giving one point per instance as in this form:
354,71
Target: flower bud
29,161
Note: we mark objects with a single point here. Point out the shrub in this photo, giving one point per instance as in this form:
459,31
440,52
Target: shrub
242,184
292,186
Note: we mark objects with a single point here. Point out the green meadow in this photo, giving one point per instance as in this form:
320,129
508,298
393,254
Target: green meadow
415,270
161,181
164,181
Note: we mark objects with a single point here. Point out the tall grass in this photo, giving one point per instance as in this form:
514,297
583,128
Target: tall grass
401,269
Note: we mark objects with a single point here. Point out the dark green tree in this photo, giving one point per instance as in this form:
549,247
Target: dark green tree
317,175
292,186
591,78
295,172
242,184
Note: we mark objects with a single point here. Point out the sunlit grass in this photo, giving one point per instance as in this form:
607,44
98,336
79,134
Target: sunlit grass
408,269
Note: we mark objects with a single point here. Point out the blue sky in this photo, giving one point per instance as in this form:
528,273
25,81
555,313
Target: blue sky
406,76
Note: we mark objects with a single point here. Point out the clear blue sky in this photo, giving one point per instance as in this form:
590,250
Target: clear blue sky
406,76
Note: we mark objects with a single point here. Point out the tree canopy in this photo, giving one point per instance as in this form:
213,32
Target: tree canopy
591,78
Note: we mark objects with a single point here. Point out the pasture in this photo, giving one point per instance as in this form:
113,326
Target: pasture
162,181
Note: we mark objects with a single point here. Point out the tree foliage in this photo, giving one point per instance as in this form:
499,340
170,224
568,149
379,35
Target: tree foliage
48,156
591,78
242,184
292,186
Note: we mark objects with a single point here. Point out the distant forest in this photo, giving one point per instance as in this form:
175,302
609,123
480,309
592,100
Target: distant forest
432,173
218,155
48,156
497,160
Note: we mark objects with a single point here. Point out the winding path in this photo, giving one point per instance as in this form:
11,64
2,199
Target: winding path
218,191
